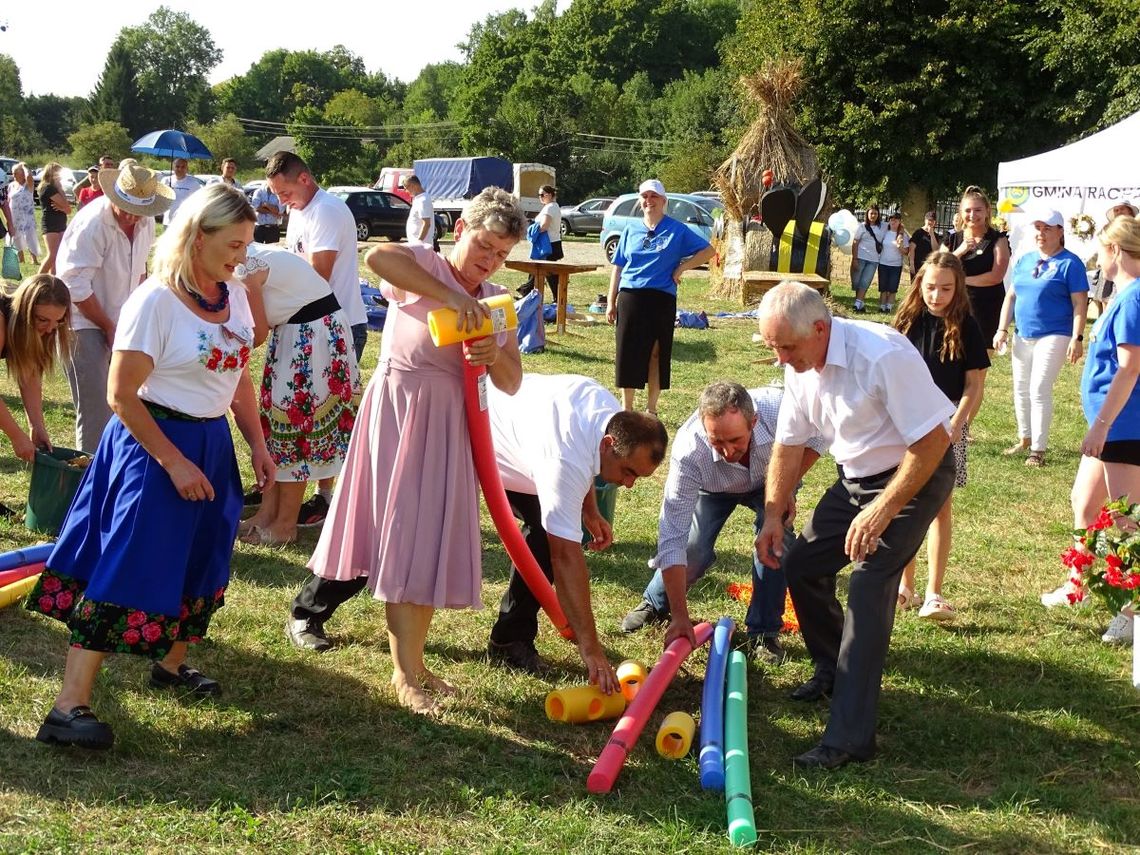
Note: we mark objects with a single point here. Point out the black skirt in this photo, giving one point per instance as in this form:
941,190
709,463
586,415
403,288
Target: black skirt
985,303
645,316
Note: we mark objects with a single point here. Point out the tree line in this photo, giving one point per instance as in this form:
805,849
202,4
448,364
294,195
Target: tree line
898,93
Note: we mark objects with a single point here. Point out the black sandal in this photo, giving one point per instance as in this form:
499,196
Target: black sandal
187,678
79,727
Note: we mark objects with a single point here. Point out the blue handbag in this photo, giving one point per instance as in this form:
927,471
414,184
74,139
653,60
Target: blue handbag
540,247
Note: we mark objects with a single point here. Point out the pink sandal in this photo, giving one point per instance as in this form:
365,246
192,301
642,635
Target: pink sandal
937,609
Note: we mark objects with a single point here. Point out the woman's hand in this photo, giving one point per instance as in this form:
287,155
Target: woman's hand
264,470
470,313
611,312
1000,338
1093,443
40,438
481,351
24,448
189,482
1074,351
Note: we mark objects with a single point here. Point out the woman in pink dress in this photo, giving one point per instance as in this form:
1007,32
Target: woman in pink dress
404,519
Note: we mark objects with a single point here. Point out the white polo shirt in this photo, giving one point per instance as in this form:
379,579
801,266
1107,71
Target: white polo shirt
327,224
548,439
873,399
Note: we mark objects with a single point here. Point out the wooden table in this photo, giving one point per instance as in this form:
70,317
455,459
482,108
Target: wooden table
563,270
759,282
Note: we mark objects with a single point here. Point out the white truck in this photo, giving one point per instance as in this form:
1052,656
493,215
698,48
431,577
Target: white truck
452,181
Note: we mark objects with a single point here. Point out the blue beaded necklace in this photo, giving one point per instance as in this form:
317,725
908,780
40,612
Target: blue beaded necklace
207,306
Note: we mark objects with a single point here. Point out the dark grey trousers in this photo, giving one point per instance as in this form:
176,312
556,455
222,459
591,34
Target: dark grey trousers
853,648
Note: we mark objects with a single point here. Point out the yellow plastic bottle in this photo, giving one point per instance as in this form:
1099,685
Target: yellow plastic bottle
675,736
582,704
441,322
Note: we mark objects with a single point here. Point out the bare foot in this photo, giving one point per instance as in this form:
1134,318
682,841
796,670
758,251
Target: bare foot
435,683
412,696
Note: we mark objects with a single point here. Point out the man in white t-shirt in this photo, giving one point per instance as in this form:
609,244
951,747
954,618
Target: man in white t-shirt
183,184
553,439
867,391
421,219
321,229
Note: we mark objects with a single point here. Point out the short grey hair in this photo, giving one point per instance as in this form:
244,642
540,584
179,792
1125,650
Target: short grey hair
723,396
798,304
495,210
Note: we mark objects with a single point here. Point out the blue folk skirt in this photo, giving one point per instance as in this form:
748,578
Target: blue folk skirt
137,567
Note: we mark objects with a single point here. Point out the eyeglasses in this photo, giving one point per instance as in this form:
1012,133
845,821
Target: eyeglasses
649,236
1039,267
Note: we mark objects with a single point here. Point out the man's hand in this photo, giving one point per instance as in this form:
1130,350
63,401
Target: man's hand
598,668
602,531
680,627
864,532
770,543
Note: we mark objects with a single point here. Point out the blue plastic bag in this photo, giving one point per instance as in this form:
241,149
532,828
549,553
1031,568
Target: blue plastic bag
532,335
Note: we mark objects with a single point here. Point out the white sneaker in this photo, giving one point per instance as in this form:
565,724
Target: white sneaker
1060,597
1119,630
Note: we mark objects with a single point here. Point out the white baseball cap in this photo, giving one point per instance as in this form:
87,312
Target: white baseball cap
651,185
1048,216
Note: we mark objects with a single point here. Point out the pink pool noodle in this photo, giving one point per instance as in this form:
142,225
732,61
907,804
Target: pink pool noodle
630,725
483,451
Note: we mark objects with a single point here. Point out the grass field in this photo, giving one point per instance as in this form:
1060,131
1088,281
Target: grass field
1014,730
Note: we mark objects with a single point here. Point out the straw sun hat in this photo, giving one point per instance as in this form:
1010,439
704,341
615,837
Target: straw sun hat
135,189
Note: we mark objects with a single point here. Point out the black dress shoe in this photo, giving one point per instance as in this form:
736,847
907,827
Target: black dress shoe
825,757
79,727
817,687
307,634
520,655
187,678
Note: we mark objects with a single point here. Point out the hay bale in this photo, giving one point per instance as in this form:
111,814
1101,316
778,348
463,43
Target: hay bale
757,247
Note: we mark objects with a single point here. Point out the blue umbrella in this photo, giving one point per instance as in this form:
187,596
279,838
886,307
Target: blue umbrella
172,144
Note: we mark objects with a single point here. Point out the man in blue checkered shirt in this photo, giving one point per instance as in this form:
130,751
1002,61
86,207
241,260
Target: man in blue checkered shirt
718,462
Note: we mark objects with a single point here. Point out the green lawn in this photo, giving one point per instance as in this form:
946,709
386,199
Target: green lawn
1014,730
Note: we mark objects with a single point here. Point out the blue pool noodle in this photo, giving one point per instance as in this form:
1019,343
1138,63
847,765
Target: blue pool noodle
24,557
712,707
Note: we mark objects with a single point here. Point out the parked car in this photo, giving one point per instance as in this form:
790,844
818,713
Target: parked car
693,211
585,218
8,164
375,212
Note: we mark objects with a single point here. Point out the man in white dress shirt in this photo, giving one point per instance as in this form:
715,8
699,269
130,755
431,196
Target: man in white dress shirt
866,389
718,463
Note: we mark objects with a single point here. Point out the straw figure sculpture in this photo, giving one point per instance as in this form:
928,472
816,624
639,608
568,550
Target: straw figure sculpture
770,143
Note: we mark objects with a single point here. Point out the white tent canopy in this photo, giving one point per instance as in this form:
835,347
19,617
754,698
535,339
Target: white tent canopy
1085,177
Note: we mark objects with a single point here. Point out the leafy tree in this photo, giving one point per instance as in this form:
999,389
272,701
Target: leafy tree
430,96
17,133
90,142
1090,49
173,55
55,117
116,97
225,137
259,93
334,159
934,97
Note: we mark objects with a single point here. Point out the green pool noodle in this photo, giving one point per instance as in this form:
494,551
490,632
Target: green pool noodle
737,782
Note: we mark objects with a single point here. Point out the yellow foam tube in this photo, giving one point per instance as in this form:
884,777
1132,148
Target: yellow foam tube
10,593
631,674
675,735
583,703
441,322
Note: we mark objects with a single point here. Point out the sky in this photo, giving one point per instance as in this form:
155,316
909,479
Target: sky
84,34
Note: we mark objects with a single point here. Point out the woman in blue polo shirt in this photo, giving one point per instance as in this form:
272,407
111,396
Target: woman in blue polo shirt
1110,461
1047,300
648,263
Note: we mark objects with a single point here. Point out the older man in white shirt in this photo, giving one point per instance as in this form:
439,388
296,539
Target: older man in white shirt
102,259
866,389
718,463
420,227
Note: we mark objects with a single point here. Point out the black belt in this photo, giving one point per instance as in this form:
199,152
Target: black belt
867,479
315,310
161,412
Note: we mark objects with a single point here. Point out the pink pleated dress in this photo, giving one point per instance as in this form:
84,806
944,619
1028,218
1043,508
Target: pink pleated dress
405,512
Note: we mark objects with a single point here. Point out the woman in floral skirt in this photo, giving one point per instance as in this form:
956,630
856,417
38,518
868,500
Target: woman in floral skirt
143,560
308,385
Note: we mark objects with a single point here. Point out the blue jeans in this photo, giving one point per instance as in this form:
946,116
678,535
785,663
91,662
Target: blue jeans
359,339
864,273
766,610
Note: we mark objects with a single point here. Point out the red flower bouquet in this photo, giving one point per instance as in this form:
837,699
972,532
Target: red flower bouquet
1109,563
